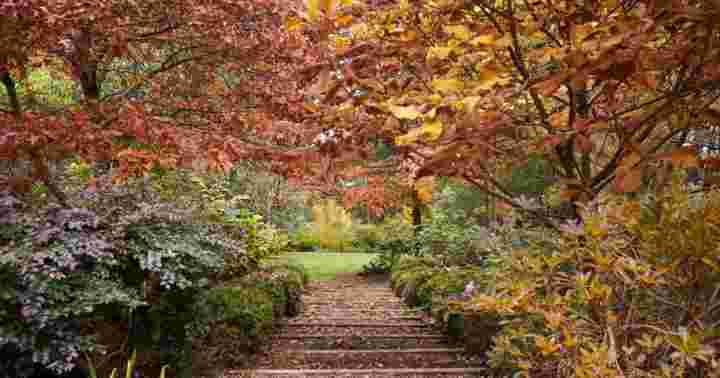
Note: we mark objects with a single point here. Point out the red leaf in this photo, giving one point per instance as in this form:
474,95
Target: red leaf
583,143
553,140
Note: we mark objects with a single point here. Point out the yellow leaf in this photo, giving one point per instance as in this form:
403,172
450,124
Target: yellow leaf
313,9
432,129
342,42
404,112
483,40
431,114
460,32
711,263
293,23
438,52
411,137
448,85
408,36
487,78
470,103
346,3
327,5
359,30
435,99
429,130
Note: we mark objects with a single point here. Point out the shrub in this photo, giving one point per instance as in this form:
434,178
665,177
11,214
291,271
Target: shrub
454,244
261,240
305,239
630,291
333,226
66,268
56,277
247,311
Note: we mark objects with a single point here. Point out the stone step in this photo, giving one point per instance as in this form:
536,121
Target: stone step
355,323
349,301
354,305
347,287
331,341
368,358
364,291
353,373
349,319
313,330
354,311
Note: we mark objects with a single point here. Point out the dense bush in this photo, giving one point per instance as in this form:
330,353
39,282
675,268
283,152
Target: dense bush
428,282
245,311
261,240
452,243
65,268
630,291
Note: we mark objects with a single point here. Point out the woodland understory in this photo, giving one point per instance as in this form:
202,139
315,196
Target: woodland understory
546,169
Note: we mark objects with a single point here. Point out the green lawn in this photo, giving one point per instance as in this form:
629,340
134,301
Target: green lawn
326,265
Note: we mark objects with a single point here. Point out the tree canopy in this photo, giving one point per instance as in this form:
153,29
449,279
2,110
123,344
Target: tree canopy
461,88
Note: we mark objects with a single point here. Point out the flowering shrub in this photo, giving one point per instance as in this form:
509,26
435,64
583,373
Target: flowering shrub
62,268
632,291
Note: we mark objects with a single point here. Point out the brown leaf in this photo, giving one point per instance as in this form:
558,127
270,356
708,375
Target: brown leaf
629,181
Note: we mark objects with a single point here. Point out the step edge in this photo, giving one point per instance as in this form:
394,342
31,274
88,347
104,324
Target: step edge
408,336
364,325
362,371
371,351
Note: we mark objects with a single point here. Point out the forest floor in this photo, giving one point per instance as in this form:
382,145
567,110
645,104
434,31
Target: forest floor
354,326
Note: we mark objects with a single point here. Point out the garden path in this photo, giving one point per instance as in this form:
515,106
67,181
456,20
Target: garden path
355,327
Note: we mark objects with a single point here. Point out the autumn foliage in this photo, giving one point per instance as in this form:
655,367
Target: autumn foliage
473,88
630,292
607,94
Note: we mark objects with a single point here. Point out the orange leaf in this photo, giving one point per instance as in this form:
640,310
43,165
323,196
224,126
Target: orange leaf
629,181
685,157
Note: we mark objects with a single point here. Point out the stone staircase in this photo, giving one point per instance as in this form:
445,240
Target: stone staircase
353,327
